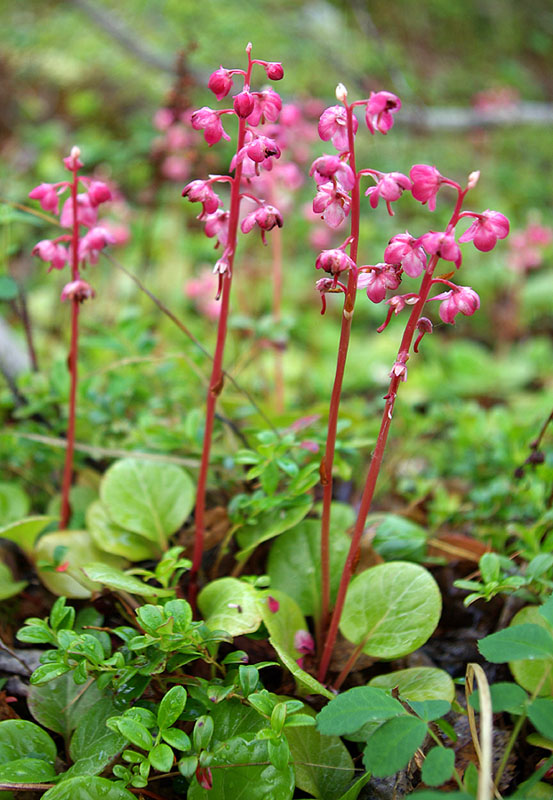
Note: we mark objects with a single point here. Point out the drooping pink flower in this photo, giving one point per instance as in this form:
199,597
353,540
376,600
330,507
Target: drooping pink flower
94,241
332,167
216,225
399,369
87,214
266,217
220,82
462,300
332,203
426,183
380,110
404,251
390,187
202,192
77,290
334,261
163,118
209,121
99,192
261,148
304,643
333,126
442,244
486,229
378,280
47,195
51,252
243,104
266,108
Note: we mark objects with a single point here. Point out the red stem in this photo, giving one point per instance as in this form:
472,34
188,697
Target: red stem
378,454
72,363
347,316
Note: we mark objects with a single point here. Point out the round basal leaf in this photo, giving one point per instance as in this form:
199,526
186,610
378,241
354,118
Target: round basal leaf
393,608
119,581
59,704
230,605
284,623
19,738
147,498
25,532
306,683
537,672
78,550
272,523
438,766
350,710
9,587
520,642
322,764
397,538
14,503
393,744
294,564
256,781
27,770
112,539
418,683
87,788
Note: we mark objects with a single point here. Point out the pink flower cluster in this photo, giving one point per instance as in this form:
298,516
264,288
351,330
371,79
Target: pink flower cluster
527,247
172,150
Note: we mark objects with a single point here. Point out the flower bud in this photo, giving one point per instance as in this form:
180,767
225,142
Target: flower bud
274,71
243,104
341,93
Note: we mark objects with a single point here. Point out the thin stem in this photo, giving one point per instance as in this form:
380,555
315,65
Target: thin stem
378,453
72,363
349,664
25,319
328,458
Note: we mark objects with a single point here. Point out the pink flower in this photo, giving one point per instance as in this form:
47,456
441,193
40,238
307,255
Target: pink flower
51,252
442,245
486,230
77,290
274,71
426,182
333,126
404,251
334,261
462,300
266,107
333,167
266,217
380,108
202,192
378,280
47,195
163,119
220,82
390,187
261,148
303,642
332,204
216,225
175,168
73,161
399,369
243,104
87,214
99,192
94,241
209,121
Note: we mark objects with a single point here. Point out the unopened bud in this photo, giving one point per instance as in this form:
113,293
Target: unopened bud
341,93
473,179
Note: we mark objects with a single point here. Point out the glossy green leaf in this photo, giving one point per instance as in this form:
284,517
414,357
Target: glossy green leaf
418,683
60,704
306,683
533,674
230,605
438,766
353,792
87,788
147,498
393,744
25,532
285,623
161,757
171,706
272,523
176,738
27,770
113,539
524,641
116,579
94,745
19,738
397,538
8,586
48,672
135,732
350,710
257,781
295,559
392,608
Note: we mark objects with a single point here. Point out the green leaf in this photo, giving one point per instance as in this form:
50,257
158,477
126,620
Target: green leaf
271,523
353,792
48,672
27,770
19,738
59,704
94,745
535,674
306,682
113,539
525,641
176,738
230,605
294,564
540,712
25,532
283,624
546,610
418,683
397,538
392,608
429,710
135,732
87,788
161,758
393,744
438,766
505,697
350,710
232,719
116,579
490,570
147,498
171,707
8,586
250,778
14,502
